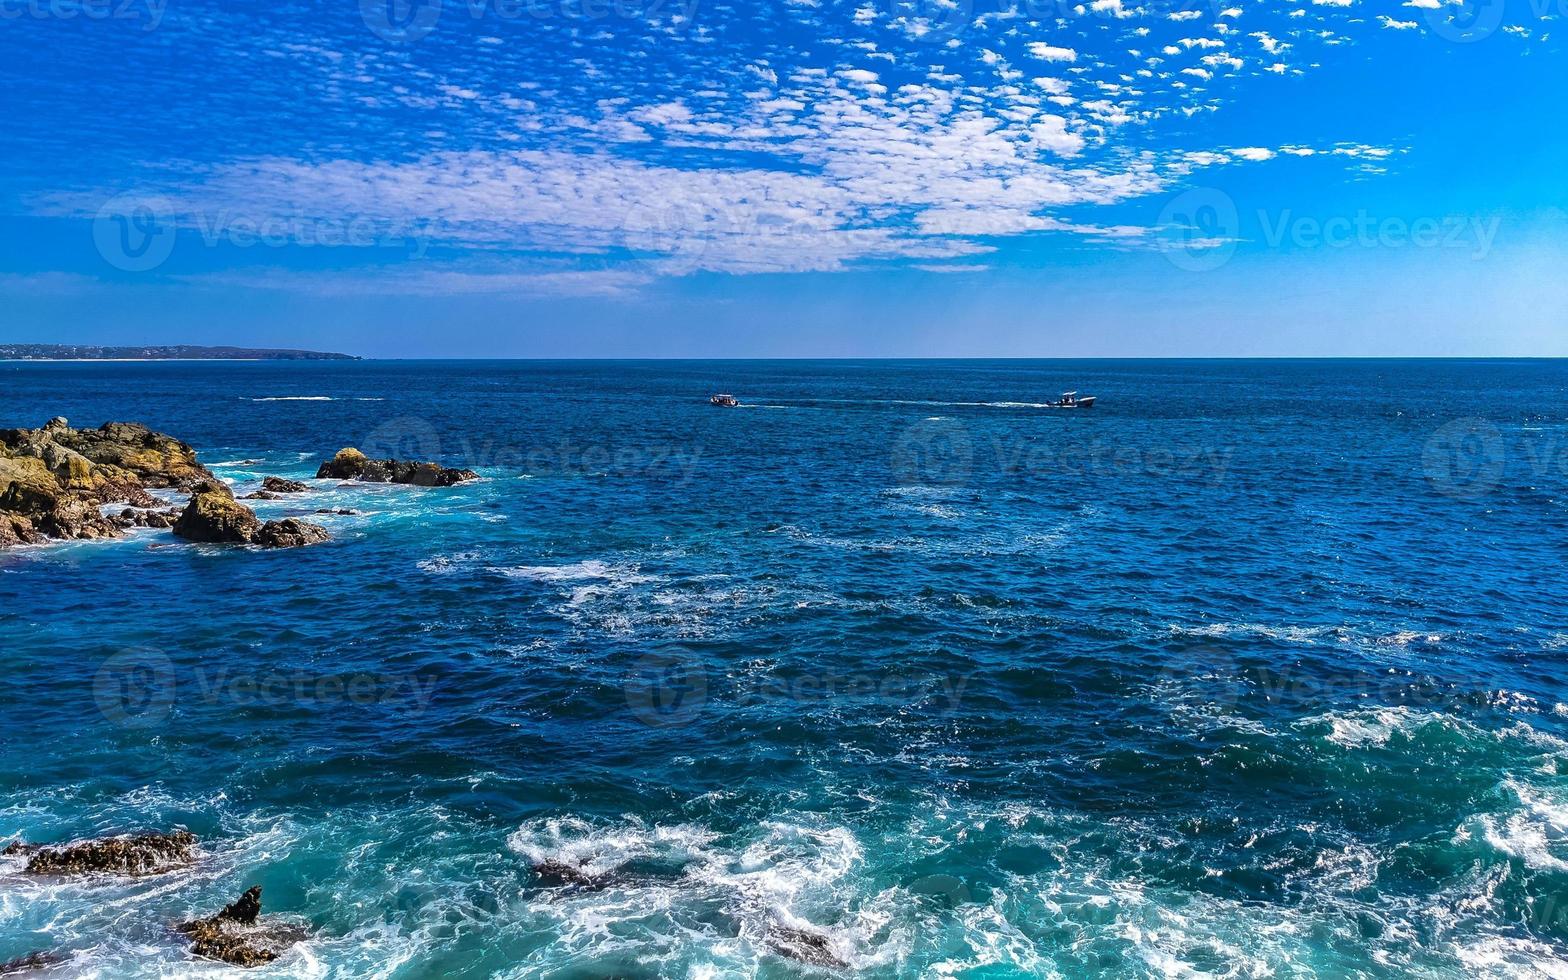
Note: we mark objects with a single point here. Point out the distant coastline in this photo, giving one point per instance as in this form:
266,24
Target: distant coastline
178,352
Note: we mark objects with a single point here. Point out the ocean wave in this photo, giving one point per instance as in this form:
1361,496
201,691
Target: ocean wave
1307,635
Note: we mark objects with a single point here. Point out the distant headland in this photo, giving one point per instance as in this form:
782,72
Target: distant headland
178,352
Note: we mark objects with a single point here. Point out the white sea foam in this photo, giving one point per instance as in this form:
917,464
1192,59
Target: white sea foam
294,398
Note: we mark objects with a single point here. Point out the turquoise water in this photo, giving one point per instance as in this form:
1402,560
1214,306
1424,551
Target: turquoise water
1254,670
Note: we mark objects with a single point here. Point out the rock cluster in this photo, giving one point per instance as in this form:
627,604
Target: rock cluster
233,935
351,464
55,482
216,517
130,854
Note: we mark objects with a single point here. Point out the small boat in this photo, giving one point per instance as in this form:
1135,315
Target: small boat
1070,399
723,401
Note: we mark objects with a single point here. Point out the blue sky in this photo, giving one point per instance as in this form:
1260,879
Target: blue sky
788,177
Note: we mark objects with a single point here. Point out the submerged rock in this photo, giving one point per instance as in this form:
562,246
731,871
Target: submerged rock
36,960
131,854
804,945
351,464
556,873
232,936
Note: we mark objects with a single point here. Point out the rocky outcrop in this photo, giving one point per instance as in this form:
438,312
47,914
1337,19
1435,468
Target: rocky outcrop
290,532
351,464
130,854
216,519
554,874
55,480
276,484
234,935
40,959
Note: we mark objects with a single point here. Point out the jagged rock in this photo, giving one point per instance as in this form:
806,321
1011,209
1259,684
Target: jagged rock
276,484
340,513
289,532
554,873
262,495
36,960
131,854
55,480
351,464
804,945
155,459
212,517
232,935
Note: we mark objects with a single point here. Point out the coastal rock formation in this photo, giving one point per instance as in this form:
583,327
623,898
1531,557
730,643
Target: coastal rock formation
37,960
233,936
351,464
274,487
55,480
290,532
130,854
214,518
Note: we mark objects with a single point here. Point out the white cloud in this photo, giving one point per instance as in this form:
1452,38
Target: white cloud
1047,52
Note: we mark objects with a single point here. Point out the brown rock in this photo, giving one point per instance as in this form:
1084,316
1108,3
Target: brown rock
351,464
131,854
276,484
232,936
290,532
213,517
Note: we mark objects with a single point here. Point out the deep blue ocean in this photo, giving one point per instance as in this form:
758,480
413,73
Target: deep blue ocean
1256,669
